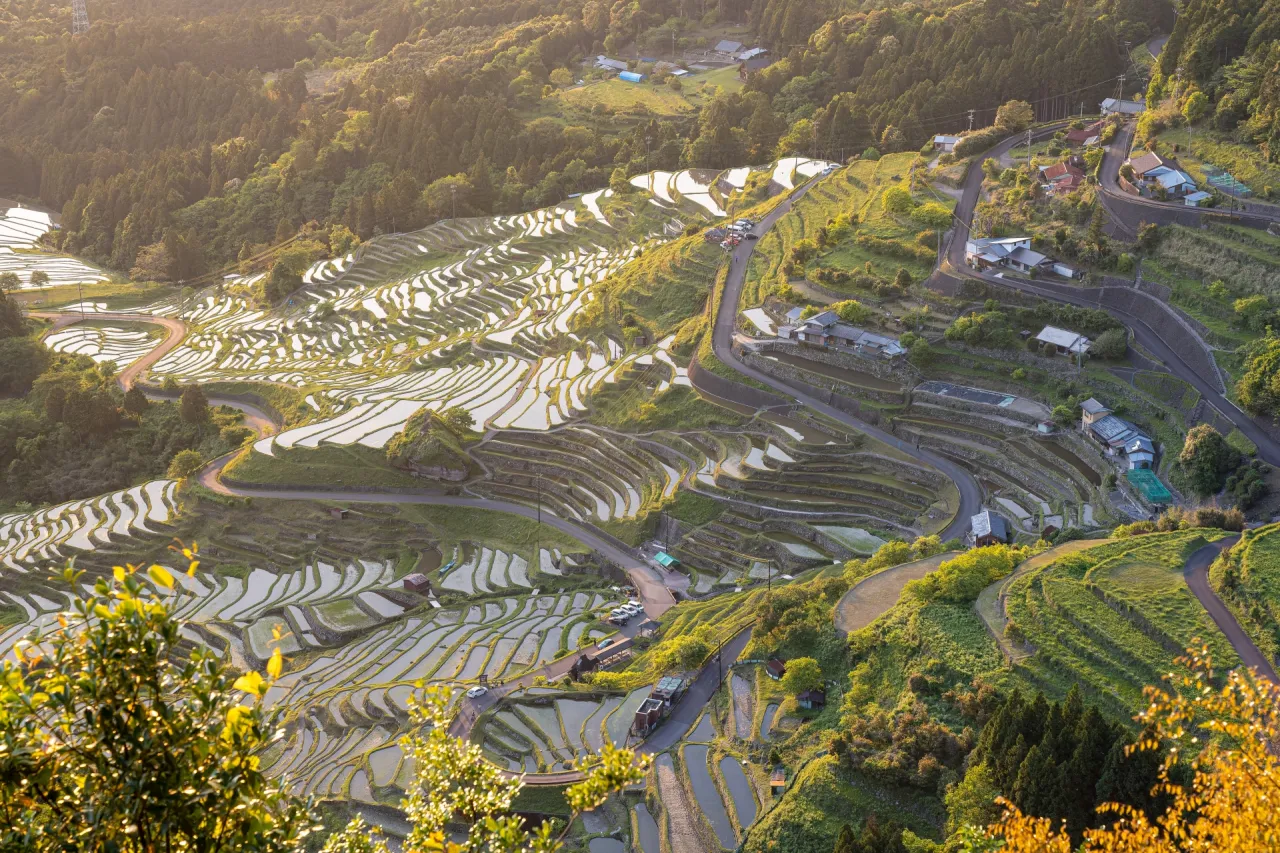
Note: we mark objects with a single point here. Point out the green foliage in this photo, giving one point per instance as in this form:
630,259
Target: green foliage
1014,116
185,464
961,578
432,444
972,800
1206,459
802,674
1111,344
988,329
71,436
897,200
932,215
852,311
194,405
1061,760
116,733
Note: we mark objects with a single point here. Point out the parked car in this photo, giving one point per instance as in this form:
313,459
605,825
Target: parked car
477,692
753,236
605,643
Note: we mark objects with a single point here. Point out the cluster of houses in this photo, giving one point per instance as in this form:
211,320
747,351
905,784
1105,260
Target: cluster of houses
1015,253
1153,175
726,52
825,329
1118,437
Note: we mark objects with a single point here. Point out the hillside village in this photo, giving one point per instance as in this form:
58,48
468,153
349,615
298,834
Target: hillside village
608,430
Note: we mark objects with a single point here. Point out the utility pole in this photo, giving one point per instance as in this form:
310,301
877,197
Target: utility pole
971,112
720,663
1028,146
453,191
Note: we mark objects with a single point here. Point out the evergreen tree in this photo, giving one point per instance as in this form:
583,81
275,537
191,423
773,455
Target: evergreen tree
194,404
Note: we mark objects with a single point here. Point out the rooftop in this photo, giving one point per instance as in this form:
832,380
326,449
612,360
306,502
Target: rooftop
1174,178
1112,105
1027,257
1093,407
1115,431
1145,163
987,523
1068,340
728,46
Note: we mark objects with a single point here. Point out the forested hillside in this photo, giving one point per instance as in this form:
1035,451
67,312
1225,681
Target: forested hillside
1231,50
208,140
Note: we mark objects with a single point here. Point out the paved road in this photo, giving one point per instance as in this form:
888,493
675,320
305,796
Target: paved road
722,343
1145,335
1197,577
1155,44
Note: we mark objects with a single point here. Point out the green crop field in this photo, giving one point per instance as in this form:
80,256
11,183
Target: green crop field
1112,618
1244,162
1248,580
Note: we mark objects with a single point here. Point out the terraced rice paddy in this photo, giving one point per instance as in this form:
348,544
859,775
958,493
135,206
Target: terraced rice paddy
114,343
1113,617
20,230
545,733
52,535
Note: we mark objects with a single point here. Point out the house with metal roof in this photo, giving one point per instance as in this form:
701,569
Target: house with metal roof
1066,341
1117,436
946,143
1115,106
1013,252
610,64
1175,182
752,53
1145,163
987,528
728,46
1196,198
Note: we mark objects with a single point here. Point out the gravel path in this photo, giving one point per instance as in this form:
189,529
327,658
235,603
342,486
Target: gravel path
684,827
741,706
870,598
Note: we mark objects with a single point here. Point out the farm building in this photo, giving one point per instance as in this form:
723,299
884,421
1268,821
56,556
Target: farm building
775,669
631,77
778,782
728,46
989,529
1117,436
1065,341
812,699
417,582
608,64
669,690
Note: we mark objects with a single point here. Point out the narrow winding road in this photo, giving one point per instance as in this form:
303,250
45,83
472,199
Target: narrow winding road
1196,574
722,343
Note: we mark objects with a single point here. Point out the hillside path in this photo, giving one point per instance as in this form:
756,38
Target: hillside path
1196,573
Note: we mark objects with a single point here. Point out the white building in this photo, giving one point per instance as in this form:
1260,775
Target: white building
1067,342
946,143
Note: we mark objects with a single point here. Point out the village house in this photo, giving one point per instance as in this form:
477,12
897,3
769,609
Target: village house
1087,135
1011,252
825,329
417,582
1174,182
728,48
1114,106
945,143
775,669
1118,437
1066,341
1062,178
607,64
987,528
1144,163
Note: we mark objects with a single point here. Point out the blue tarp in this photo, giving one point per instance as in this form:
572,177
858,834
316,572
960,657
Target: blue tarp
631,76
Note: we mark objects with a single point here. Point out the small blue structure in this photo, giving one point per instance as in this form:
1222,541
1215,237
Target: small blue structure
631,77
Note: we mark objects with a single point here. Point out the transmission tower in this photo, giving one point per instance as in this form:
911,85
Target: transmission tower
79,17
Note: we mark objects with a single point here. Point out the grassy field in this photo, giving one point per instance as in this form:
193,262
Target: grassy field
352,466
117,294
496,529
1245,163
622,98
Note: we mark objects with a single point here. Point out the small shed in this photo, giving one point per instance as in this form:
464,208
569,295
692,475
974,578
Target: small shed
775,669
338,514
662,558
648,715
416,582
778,782
1048,532
989,529
1045,427
812,699
1196,198
631,77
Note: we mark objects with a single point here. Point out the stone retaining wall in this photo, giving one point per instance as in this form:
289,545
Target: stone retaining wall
829,393
960,405
899,370
735,392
